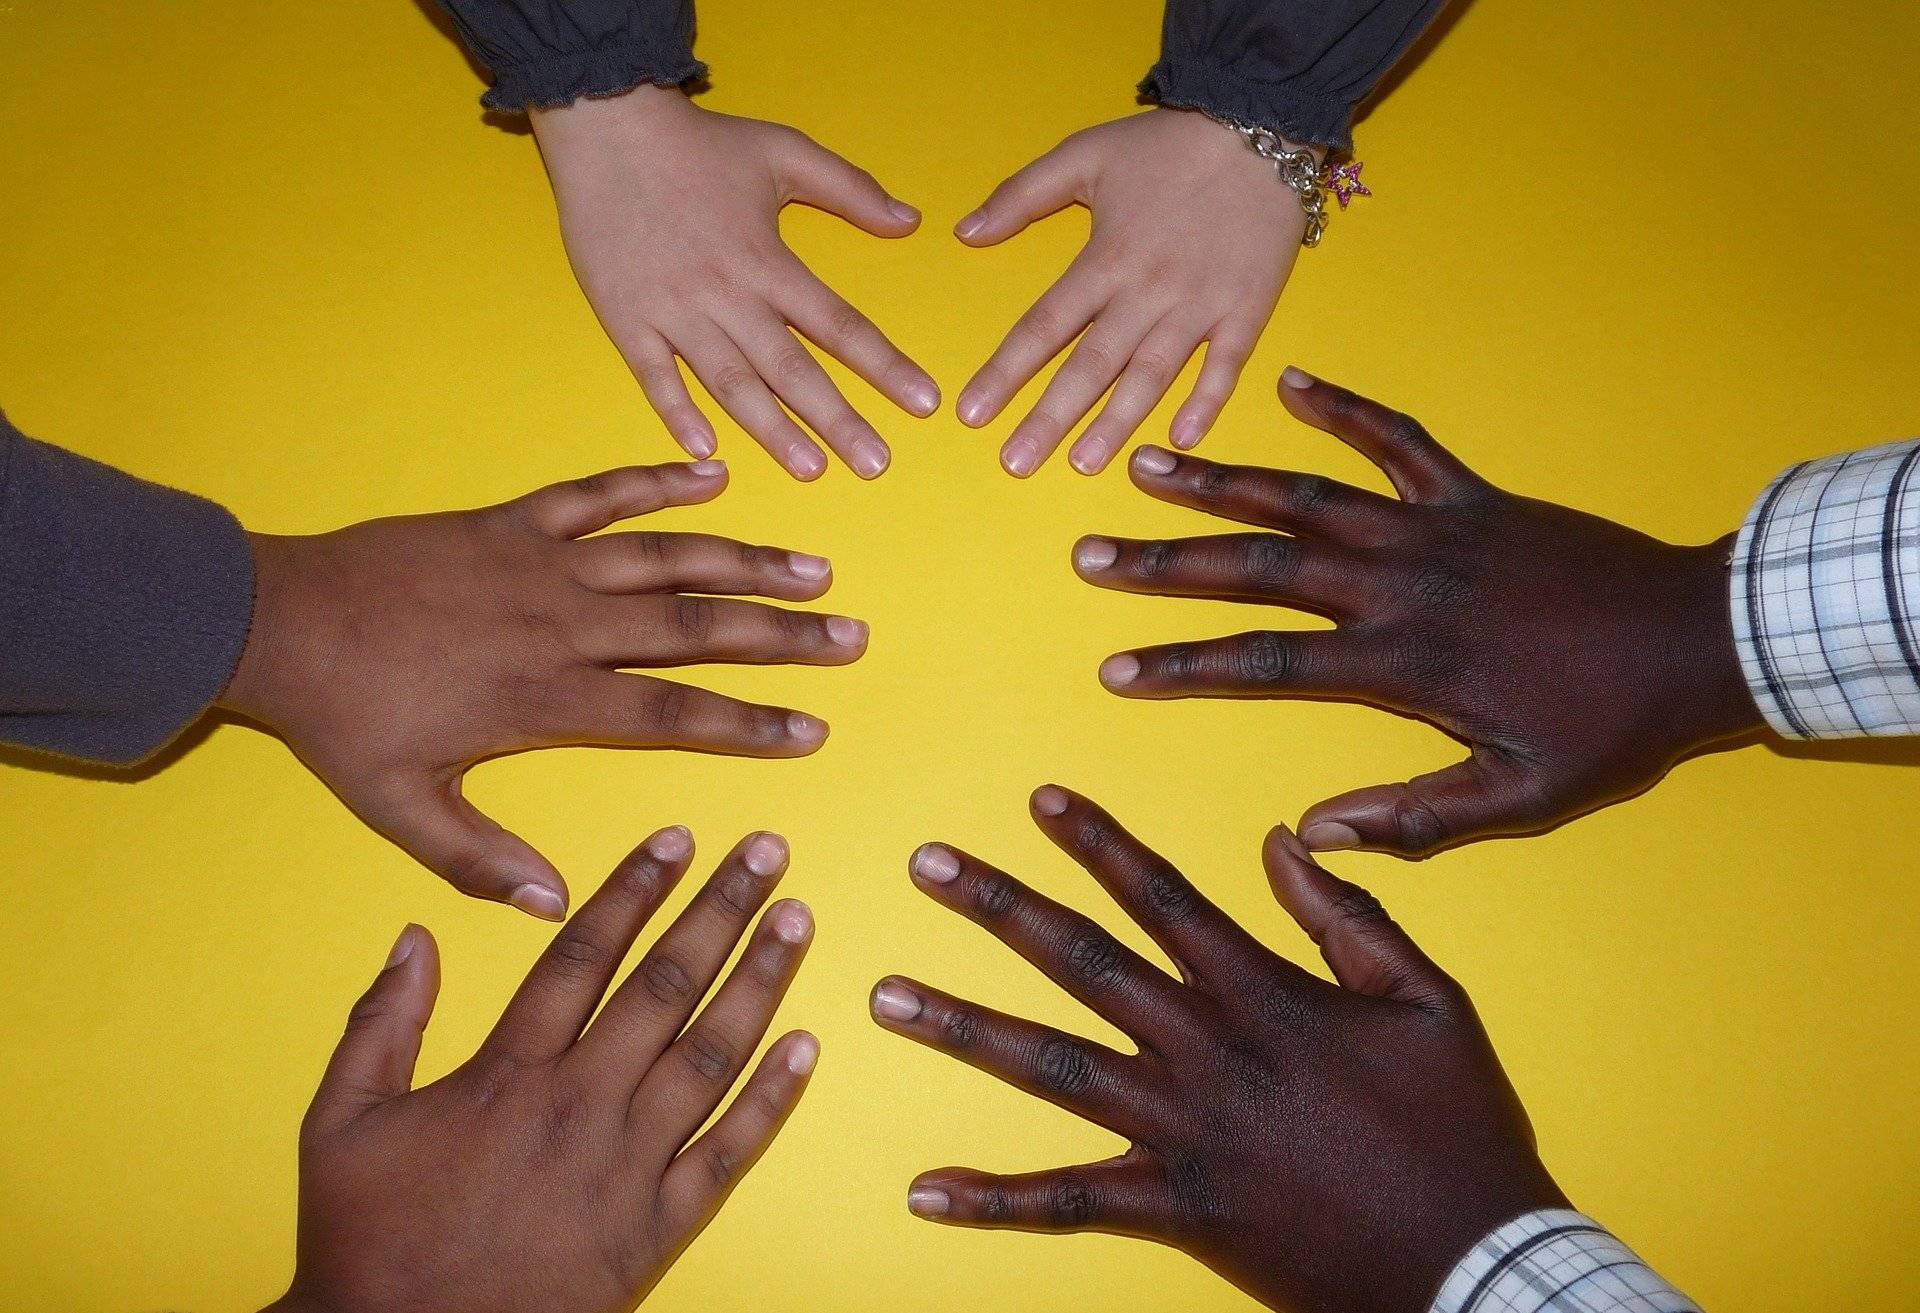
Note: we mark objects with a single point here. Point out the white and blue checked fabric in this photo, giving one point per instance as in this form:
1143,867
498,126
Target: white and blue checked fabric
1556,1261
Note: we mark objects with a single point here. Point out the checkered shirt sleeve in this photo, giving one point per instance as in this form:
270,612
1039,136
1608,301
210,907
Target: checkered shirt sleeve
1825,592
1556,1261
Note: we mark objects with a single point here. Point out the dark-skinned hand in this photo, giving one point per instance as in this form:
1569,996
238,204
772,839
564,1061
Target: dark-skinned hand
1578,659
1322,1146
557,1170
392,656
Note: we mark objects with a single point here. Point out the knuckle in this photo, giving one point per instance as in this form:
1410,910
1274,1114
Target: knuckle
1036,330
847,322
798,626
577,952
1096,359
1095,833
1421,828
1196,1192
1427,661
1169,894
994,895
1063,1066
1309,494
737,895
1406,431
1154,367
1070,1202
671,704
706,1056
1267,658
1358,905
719,1163
1213,482
1176,663
647,546
767,725
791,363
693,616
732,381
1271,562
1156,558
666,978
1435,585
995,1206
960,1028
1093,955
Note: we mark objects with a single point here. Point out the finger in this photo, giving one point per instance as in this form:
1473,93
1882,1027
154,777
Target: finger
1155,363
1090,369
548,1011
1305,504
690,1079
725,373
1367,950
644,1014
1478,798
815,176
1035,338
1074,951
1087,1079
374,1059
1046,186
653,364
1263,664
1121,1196
797,379
641,711
837,328
449,836
1238,567
683,629
1204,942
582,506
1406,453
706,1171
649,562
1228,351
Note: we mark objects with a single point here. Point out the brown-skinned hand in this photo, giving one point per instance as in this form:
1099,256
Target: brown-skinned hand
558,1169
394,655
1322,1146
1578,660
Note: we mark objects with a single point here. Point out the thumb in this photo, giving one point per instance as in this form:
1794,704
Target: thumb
1367,950
1046,186
1463,802
374,1060
448,835
814,175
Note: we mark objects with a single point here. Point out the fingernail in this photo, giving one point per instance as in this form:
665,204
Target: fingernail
1094,554
809,567
869,458
923,397
847,632
538,900
935,862
803,1054
902,211
925,1201
701,443
1119,671
1296,378
1287,839
1154,460
671,844
766,854
895,1001
1020,459
1050,800
972,410
708,469
792,921
1187,432
402,949
1329,836
807,462
808,729
970,225
1086,459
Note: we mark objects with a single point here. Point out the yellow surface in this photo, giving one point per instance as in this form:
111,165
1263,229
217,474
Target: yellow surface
1632,256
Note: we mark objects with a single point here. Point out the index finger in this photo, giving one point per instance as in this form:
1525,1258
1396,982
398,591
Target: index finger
1421,469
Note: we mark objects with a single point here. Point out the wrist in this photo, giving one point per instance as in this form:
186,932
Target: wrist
645,108
275,665
1712,699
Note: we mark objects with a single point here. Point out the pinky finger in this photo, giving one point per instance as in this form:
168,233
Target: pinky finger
706,1171
1119,1195
653,363
1228,351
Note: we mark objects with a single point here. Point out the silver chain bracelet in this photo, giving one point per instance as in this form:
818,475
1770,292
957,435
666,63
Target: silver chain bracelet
1310,179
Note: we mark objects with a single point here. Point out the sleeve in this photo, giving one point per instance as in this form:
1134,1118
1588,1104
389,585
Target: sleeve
123,605
1825,593
1555,1261
1297,67
548,53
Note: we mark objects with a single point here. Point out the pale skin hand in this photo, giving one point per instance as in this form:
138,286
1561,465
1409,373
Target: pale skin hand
671,217
1193,239
562,1168
392,656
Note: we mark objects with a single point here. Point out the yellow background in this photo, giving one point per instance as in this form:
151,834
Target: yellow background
1635,256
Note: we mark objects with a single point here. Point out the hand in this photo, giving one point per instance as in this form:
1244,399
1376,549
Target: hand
671,217
1577,659
1193,238
394,655
1321,1146
552,1171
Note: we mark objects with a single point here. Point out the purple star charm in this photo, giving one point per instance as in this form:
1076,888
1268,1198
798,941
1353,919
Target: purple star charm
1345,182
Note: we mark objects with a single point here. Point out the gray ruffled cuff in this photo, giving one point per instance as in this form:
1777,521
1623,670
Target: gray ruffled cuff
563,78
1297,113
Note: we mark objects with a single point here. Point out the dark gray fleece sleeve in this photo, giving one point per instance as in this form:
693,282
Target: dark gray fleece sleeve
1298,67
123,605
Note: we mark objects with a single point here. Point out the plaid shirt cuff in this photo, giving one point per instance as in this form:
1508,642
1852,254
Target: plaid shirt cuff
1556,1261
1826,596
